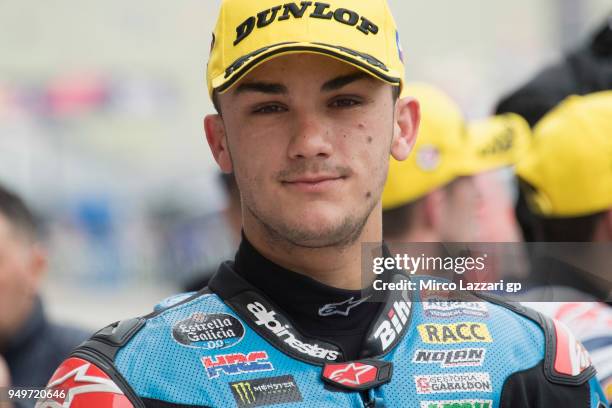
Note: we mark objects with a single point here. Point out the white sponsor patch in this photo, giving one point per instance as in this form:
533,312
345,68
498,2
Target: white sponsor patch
460,382
464,403
393,326
464,357
449,308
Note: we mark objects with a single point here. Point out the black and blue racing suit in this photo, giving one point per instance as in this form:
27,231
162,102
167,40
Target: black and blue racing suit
243,341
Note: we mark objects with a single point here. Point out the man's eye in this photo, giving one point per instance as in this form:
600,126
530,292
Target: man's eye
270,109
345,103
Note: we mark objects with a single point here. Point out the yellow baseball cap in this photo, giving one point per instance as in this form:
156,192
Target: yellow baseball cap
447,147
569,164
248,33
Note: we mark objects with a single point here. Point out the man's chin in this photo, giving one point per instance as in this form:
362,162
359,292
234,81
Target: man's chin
322,232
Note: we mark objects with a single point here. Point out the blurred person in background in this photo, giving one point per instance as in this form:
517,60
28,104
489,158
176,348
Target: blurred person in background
31,345
433,195
233,218
420,203
566,178
585,70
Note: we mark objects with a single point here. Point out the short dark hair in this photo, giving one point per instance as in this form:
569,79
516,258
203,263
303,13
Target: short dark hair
215,98
18,214
558,229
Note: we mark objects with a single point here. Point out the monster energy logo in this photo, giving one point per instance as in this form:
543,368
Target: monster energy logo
245,392
265,391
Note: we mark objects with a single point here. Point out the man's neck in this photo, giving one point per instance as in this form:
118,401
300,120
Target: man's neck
338,267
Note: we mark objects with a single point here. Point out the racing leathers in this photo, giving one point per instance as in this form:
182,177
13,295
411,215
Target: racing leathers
232,345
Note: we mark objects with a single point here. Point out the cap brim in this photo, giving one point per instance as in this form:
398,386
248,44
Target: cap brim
495,142
247,63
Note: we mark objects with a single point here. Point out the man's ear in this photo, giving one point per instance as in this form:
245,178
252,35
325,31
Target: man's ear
406,127
217,141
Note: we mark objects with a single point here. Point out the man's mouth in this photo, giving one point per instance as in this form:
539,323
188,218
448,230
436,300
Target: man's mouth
314,183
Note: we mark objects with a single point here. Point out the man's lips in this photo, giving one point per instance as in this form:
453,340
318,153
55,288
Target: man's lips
313,183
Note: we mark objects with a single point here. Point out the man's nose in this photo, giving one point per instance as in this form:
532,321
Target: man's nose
311,137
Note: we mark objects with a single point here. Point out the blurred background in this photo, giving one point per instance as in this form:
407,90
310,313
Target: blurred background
101,108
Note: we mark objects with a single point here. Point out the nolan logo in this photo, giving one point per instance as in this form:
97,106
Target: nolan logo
307,9
392,327
269,320
341,308
465,357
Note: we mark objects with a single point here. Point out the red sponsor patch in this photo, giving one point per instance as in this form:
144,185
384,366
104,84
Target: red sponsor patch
80,384
357,375
571,358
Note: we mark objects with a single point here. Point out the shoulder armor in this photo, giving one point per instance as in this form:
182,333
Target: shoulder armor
79,383
110,339
566,361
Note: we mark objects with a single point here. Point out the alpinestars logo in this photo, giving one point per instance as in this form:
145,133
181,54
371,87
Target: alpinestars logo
267,318
341,308
354,374
393,326
84,379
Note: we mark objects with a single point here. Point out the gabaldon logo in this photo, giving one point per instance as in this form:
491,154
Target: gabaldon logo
268,319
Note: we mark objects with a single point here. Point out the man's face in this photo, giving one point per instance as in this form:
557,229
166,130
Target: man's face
18,278
309,139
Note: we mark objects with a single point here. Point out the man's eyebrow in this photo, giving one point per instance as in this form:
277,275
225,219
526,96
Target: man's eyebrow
342,81
263,87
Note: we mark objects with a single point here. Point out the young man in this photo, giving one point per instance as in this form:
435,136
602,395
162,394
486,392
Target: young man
308,116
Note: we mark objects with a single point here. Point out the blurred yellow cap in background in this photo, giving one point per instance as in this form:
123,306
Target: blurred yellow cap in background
447,147
569,164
